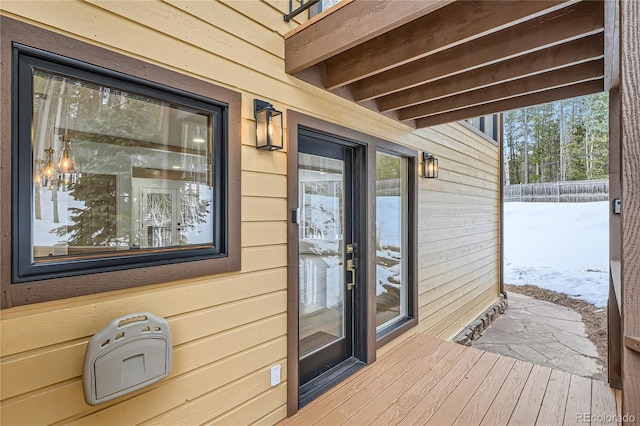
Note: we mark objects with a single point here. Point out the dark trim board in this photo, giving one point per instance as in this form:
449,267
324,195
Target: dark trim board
614,320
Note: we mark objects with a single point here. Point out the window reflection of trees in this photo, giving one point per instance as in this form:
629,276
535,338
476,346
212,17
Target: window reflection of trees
111,131
322,210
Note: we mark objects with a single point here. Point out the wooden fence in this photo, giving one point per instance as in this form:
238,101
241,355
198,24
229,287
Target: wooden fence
559,192
388,187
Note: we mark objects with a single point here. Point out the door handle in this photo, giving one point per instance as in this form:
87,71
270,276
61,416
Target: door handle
351,267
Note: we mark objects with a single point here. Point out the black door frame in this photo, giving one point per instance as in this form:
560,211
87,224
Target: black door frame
365,303
338,351
360,347
355,172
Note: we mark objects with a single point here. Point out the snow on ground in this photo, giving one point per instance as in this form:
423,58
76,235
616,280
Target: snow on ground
562,247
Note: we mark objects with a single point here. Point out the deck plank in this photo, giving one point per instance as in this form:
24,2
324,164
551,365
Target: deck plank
432,400
400,359
394,413
389,396
424,380
528,406
555,399
480,402
351,403
457,400
603,403
578,401
500,410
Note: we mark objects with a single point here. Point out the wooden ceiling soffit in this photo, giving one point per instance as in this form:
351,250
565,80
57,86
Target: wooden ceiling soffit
566,92
557,57
579,73
447,27
458,58
535,35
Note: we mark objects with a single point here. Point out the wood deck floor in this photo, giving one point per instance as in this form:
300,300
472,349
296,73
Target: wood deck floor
428,381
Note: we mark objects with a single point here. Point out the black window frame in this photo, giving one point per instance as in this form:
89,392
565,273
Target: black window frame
403,323
107,273
25,269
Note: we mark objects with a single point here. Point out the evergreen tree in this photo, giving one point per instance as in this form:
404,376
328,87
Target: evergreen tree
95,224
564,140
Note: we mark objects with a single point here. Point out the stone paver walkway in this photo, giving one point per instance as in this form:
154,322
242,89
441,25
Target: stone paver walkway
543,333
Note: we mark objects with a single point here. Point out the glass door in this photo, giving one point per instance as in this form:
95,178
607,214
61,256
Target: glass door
326,263
158,217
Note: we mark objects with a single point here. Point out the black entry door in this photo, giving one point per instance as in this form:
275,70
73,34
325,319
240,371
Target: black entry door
326,256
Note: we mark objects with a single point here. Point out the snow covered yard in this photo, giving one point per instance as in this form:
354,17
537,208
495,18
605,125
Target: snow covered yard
562,247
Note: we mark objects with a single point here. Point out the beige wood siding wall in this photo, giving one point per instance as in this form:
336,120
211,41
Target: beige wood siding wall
459,232
229,330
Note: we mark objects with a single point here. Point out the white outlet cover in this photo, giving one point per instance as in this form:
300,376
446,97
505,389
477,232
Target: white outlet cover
275,375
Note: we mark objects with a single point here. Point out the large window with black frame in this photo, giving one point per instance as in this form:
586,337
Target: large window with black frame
119,171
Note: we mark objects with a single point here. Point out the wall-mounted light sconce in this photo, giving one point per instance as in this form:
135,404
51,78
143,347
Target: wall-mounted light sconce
429,166
269,135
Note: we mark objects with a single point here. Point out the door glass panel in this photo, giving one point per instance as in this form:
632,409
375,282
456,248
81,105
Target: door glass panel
391,239
172,213
321,252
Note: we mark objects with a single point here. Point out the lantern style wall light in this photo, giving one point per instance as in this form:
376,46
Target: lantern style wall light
269,135
429,166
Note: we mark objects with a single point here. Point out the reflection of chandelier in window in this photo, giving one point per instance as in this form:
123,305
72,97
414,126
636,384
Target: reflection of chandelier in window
46,174
61,174
66,167
37,179
48,171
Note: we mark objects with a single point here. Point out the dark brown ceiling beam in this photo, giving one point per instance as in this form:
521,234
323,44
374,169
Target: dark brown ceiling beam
457,23
354,23
549,80
567,24
566,92
563,55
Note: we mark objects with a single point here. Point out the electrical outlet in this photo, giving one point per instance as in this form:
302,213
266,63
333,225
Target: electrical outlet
275,375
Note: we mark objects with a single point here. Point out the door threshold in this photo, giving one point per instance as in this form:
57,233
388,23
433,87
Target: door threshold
319,385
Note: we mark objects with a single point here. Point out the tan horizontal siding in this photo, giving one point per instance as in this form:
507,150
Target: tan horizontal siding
228,330
260,184
81,318
185,328
263,233
459,234
447,274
